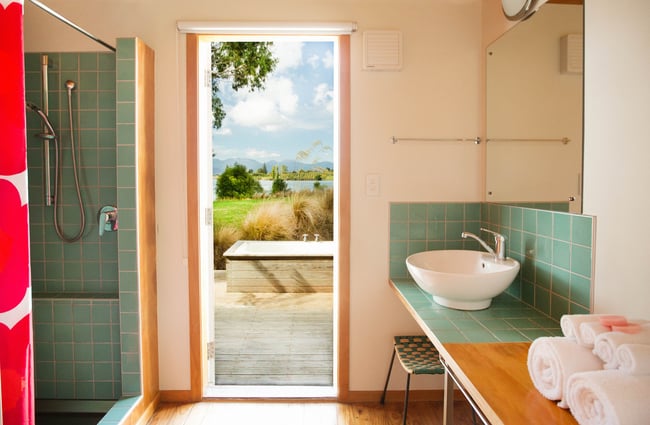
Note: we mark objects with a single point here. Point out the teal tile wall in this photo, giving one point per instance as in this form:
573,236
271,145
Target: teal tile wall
89,265
104,105
550,206
119,411
126,198
555,252
554,248
416,227
77,349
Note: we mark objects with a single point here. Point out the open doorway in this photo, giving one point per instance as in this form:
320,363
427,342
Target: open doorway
255,330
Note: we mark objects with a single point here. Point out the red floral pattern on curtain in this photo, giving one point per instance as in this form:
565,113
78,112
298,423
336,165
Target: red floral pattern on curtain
16,359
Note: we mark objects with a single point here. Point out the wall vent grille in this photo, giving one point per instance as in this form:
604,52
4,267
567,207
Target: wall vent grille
382,50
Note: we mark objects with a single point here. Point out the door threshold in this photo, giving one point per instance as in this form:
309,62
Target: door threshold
269,391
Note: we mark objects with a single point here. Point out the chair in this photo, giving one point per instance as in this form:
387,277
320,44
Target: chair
417,356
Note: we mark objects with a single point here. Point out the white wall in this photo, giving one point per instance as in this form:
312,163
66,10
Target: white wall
617,151
437,94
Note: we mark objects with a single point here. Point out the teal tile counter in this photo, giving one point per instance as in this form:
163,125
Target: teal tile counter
484,353
506,320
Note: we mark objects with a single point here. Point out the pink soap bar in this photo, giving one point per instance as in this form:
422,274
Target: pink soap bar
613,320
628,329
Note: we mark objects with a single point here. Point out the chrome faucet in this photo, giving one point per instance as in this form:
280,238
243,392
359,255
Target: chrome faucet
499,250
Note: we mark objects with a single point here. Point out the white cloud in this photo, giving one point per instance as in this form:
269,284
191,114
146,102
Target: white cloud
313,61
323,96
221,151
270,110
223,131
328,59
289,55
261,154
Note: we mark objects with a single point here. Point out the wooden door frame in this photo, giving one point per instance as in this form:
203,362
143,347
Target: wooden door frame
198,378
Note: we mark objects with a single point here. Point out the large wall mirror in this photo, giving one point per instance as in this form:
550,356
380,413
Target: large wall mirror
534,111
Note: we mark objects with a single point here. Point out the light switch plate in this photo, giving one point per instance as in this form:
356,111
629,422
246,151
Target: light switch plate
372,185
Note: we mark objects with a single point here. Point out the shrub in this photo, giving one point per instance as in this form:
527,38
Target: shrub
224,237
314,213
325,219
306,212
237,182
270,221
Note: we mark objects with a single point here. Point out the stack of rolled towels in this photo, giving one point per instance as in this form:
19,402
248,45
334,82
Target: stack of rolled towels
599,369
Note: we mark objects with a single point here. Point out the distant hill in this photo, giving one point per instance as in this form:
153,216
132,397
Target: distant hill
219,165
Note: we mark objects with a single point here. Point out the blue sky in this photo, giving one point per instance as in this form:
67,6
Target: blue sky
289,115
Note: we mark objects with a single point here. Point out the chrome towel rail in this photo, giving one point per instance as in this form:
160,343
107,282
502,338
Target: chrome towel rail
564,140
475,140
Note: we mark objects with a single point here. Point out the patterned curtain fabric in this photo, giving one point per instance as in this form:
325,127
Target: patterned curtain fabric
16,360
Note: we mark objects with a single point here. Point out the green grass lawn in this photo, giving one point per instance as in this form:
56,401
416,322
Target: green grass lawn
233,211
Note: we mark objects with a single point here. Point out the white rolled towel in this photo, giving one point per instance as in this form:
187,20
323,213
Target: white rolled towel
589,331
551,360
605,344
633,359
570,323
609,397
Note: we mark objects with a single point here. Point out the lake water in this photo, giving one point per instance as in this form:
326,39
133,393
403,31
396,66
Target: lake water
297,185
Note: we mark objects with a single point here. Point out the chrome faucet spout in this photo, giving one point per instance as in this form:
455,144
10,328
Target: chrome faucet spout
499,250
471,235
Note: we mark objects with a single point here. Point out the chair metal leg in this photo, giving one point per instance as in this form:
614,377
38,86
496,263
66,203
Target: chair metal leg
390,368
406,398
448,403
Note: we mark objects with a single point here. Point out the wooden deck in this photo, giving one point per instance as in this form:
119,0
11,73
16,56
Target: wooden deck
273,338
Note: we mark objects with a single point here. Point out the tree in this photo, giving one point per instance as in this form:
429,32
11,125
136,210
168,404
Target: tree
236,182
279,185
263,169
244,64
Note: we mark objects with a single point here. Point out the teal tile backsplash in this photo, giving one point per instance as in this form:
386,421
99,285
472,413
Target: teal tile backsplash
553,247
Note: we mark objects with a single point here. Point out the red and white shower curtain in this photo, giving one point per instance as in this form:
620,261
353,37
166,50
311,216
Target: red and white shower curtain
16,359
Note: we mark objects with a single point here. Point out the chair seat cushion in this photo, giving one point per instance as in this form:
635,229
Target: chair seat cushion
417,355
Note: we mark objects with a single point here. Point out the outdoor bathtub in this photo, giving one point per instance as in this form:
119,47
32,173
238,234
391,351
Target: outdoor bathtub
279,266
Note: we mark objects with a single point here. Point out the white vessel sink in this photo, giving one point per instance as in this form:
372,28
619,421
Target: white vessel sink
462,279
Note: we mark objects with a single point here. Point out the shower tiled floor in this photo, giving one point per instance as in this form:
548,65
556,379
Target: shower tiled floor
273,339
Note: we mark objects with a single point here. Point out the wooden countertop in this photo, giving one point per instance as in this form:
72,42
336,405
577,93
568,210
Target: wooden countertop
495,375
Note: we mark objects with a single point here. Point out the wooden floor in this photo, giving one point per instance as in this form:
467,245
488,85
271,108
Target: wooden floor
305,413
273,339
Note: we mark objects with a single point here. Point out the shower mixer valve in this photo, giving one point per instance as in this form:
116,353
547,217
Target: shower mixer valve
107,219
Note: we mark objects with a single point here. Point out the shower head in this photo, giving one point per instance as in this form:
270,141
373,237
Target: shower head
50,134
70,85
30,105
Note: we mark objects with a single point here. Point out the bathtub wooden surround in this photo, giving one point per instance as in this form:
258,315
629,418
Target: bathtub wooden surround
280,266
283,275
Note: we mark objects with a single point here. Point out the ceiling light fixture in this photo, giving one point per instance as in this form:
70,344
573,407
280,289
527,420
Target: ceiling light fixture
516,10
